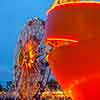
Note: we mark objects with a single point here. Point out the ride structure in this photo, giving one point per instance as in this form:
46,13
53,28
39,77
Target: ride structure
76,67
31,67
69,41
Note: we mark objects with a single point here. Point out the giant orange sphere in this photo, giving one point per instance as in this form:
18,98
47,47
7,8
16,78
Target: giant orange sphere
77,66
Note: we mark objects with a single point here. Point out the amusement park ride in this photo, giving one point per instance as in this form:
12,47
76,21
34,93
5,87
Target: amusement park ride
32,69
70,42
77,66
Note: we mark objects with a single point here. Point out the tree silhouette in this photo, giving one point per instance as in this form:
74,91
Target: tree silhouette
8,85
1,87
52,84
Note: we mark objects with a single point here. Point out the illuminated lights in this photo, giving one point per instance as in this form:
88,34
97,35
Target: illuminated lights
47,57
63,39
26,56
58,42
77,3
56,94
31,54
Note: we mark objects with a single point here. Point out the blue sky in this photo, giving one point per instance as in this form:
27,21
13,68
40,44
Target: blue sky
13,15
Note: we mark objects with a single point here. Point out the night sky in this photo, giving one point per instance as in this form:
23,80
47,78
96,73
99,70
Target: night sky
13,15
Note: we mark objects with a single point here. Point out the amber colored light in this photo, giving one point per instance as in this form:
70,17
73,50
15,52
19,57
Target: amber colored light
62,39
26,56
59,42
70,3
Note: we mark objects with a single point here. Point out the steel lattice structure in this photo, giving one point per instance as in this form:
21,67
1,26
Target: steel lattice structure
31,66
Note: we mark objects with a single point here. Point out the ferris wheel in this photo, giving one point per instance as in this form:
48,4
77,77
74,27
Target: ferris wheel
31,67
